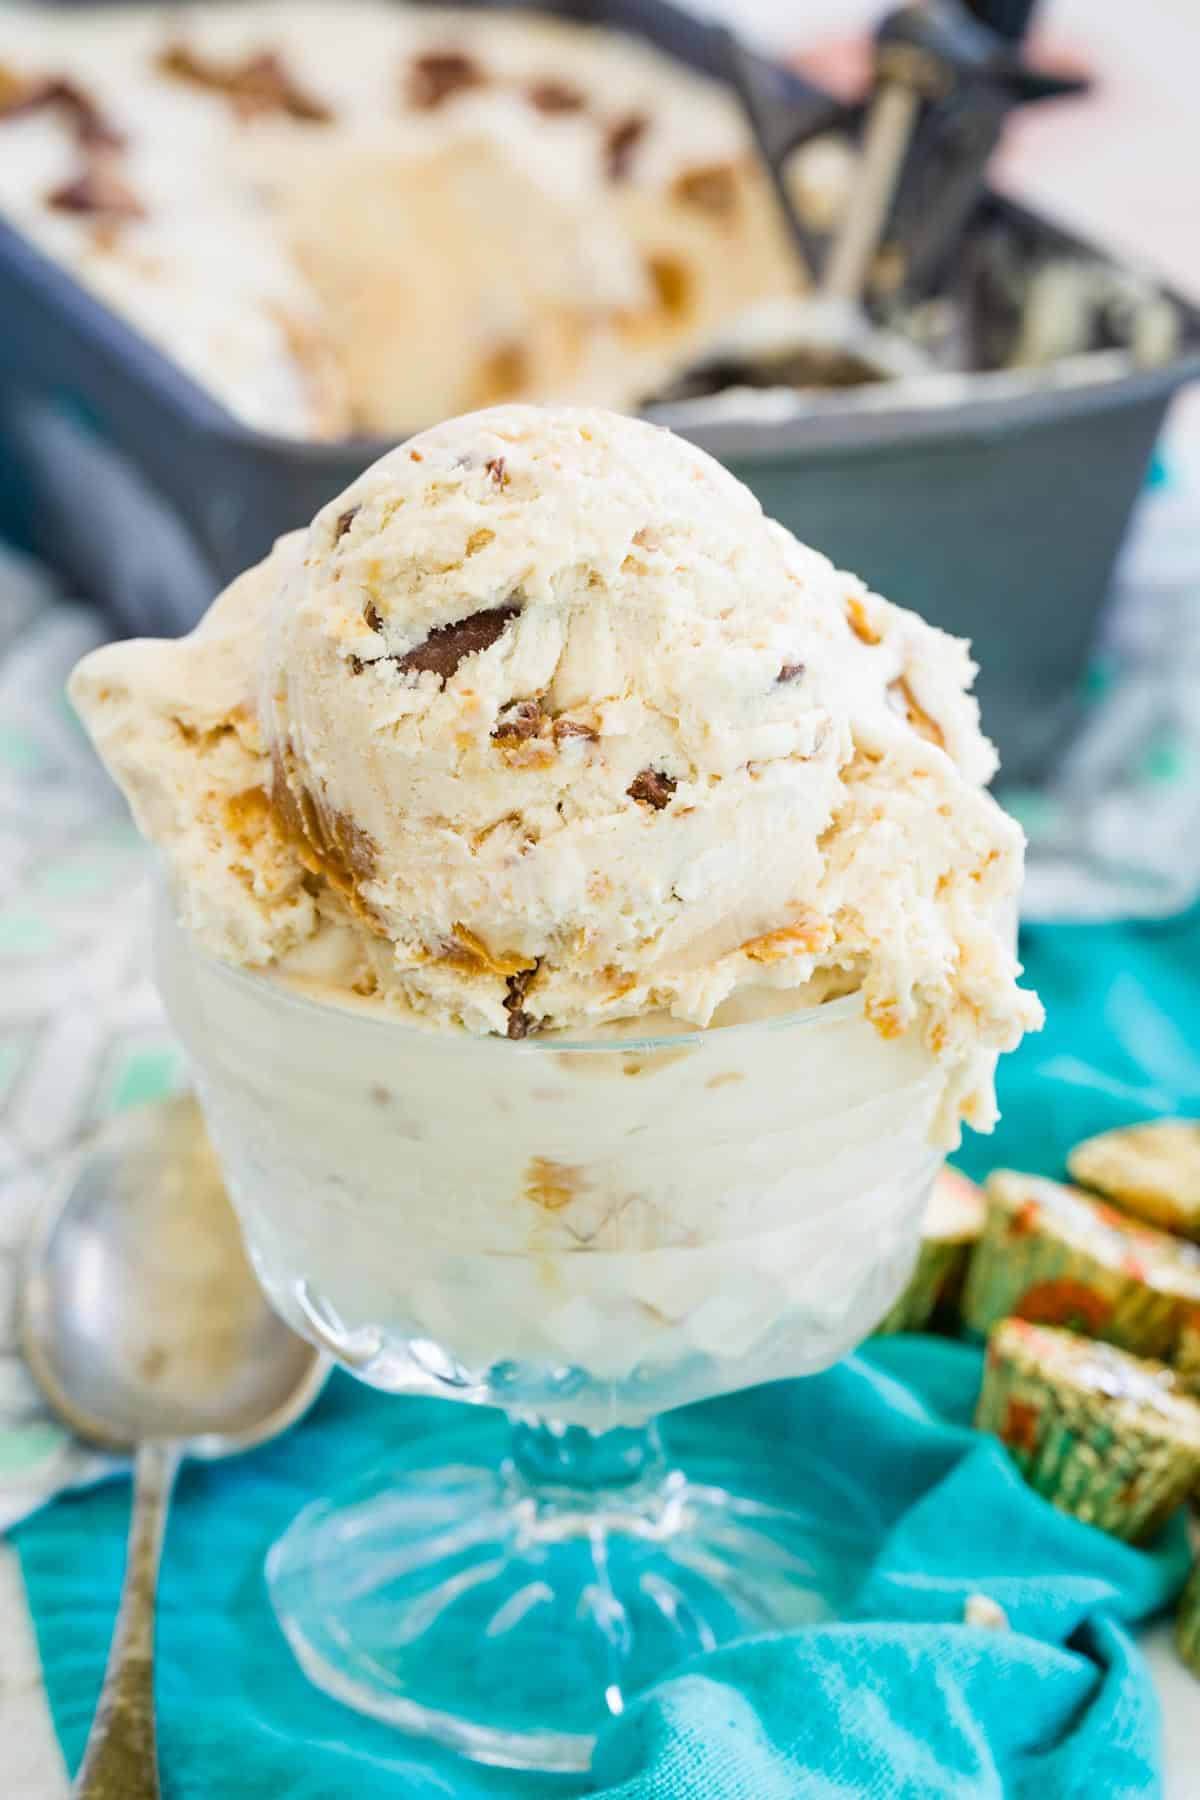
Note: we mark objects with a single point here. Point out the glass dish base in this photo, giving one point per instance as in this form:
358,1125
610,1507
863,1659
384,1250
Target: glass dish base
510,1611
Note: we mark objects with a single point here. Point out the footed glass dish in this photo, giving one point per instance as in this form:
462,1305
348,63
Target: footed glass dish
584,1234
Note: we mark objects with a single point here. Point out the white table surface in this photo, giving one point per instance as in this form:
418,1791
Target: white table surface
1122,167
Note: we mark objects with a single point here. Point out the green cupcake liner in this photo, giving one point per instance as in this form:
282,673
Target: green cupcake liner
940,1269
1030,1265
1187,1353
953,1223
1187,1623
1123,1467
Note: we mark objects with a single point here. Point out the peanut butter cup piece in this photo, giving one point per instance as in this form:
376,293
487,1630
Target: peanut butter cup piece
447,645
651,788
520,1023
574,728
555,97
99,190
519,721
260,83
1150,1170
621,142
434,77
1106,1436
711,188
19,95
89,124
329,842
904,701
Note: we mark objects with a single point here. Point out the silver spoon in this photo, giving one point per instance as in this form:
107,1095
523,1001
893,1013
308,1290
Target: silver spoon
144,1325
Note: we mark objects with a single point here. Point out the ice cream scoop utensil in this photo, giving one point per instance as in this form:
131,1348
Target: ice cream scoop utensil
943,86
144,1325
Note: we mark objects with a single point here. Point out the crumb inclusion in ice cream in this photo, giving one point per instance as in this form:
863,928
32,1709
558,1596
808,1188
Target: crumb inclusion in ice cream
543,725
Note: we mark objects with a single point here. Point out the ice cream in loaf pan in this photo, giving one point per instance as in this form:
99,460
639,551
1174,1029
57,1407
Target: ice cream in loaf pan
365,216
542,725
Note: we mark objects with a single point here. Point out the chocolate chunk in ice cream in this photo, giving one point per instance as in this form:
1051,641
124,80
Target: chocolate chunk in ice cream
259,83
519,722
520,1023
555,97
20,95
100,189
434,77
651,788
621,142
713,188
447,645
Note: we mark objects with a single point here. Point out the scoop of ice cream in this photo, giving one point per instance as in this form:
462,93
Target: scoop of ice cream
544,724
176,723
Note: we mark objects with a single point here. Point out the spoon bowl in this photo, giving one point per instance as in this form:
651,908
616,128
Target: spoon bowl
142,1317
143,1323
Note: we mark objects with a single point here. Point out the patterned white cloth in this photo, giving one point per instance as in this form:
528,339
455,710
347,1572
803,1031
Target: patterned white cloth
1116,833
81,1031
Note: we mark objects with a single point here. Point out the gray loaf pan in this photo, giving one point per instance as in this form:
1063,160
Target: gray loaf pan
999,518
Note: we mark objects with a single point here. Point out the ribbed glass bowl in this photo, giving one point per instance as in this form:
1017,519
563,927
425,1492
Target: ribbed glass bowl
586,1234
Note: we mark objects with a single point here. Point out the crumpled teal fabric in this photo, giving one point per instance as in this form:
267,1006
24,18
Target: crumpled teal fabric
898,1701
1121,1040
903,1699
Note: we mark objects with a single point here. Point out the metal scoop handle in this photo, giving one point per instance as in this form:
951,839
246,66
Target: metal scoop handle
963,79
121,1758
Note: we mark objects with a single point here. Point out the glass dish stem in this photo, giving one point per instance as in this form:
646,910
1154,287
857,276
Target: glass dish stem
561,1462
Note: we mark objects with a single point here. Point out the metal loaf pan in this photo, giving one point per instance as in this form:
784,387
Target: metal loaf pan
999,518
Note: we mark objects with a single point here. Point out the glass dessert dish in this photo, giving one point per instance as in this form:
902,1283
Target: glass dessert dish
585,1234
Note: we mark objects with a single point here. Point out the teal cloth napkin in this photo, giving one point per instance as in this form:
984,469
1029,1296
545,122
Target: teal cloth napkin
898,1700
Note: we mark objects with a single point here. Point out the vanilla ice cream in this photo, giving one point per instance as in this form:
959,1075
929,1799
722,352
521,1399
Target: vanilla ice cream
542,726
596,1230
352,215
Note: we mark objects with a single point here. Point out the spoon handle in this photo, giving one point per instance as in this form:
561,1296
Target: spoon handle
120,1761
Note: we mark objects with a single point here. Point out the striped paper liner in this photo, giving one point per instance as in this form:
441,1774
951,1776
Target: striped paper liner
1072,1416
1187,1623
953,1223
1056,1257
